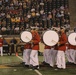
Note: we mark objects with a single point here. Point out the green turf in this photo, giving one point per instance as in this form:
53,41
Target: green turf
49,71
9,60
19,71
14,63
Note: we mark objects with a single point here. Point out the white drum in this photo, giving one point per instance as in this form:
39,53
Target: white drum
50,38
26,36
72,38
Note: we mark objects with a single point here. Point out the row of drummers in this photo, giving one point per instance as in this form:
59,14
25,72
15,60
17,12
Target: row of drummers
52,55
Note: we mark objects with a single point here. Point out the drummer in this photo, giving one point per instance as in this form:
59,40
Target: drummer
13,43
26,53
49,52
35,47
54,51
61,50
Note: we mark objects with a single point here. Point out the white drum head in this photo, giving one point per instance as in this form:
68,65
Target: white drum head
72,38
26,36
50,38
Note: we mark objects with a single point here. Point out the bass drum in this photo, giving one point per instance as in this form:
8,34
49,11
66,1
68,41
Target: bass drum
72,38
26,36
50,38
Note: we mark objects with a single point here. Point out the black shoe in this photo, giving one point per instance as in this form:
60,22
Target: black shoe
44,63
27,66
51,67
35,67
30,66
69,63
57,68
23,63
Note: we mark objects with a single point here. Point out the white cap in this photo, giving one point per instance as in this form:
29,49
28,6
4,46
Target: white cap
37,14
49,12
63,28
34,28
41,3
32,9
29,16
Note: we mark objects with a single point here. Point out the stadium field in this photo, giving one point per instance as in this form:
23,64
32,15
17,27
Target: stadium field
10,65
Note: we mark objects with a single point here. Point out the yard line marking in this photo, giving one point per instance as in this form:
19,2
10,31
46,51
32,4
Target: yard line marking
34,70
20,58
37,72
3,66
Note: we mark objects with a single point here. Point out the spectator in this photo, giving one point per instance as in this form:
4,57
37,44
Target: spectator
13,43
3,29
31,11
8,30
16,29
5,46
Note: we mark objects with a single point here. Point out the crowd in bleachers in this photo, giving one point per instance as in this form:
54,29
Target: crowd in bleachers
18,15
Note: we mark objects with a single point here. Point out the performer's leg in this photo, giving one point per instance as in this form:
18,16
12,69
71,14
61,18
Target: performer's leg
59,59
53,58
1,48
72,55
24,53
67,52
44,55
34,58
63,60
27,56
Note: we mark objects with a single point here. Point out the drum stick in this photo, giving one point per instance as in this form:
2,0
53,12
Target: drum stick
27,38
53,41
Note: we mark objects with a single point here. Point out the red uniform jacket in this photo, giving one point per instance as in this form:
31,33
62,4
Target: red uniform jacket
27,46
63,41
75,48
1,42
56,47
47,47
71,46
36,40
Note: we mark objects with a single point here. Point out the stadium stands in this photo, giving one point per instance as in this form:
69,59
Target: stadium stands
18,15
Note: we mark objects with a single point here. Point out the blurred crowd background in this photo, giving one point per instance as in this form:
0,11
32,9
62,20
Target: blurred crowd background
19,15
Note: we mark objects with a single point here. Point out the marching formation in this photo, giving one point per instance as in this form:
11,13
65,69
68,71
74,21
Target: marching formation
53,55
30,54
55,52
